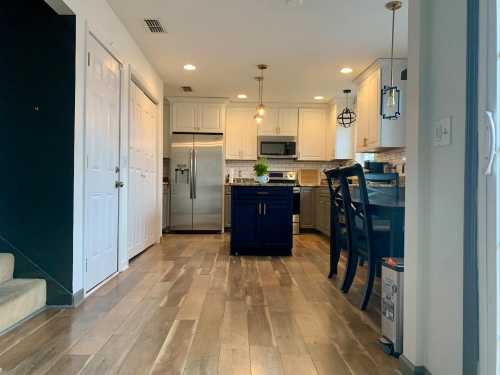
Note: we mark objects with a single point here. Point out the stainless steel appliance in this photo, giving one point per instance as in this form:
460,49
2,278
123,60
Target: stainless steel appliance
274,147
196,178
392,306
289,177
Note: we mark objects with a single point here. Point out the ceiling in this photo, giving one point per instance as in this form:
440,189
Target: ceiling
304,45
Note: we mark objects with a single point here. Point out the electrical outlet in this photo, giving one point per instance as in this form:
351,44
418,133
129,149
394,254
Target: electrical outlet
442,132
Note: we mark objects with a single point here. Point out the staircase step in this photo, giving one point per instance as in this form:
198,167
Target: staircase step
6,267
20,298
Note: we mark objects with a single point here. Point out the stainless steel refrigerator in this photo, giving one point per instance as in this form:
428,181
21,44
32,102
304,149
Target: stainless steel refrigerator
196,182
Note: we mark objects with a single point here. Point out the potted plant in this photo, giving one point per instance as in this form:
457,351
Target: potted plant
261,168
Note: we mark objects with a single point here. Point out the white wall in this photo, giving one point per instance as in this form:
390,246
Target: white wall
435,179
98,17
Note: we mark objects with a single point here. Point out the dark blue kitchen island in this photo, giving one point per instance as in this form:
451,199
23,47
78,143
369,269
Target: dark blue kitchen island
261,219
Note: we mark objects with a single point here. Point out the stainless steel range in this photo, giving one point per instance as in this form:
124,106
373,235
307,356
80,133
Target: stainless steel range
289,177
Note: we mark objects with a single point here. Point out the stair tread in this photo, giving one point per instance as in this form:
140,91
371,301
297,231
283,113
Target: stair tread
19,298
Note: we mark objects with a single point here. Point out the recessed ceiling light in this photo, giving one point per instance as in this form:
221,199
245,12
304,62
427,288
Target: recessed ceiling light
319,97
346,70
242,96
189,67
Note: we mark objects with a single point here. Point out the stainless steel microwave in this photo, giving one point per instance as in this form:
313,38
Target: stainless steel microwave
273,147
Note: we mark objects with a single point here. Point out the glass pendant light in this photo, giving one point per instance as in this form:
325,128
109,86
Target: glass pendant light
391,94
261,109
347,117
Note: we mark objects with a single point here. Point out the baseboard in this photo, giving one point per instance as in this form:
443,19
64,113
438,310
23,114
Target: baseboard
408,368
78,298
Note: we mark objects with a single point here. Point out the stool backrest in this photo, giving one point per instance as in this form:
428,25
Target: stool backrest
338,217
358,215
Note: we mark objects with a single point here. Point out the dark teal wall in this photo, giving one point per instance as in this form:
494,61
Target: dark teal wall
37,101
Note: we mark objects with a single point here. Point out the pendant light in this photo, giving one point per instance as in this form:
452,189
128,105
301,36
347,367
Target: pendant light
261,109
391,94
347,117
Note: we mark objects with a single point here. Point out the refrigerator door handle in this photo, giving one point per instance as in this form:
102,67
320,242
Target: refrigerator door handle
194,174
190,174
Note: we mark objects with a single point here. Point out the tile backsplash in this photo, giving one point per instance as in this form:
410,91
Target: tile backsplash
392,156
244,169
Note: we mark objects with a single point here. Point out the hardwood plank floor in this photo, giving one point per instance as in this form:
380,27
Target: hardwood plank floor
186,307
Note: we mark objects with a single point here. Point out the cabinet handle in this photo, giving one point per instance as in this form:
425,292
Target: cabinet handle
260,209
265,205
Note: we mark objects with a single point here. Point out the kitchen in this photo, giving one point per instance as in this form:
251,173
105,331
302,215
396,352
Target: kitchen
298,141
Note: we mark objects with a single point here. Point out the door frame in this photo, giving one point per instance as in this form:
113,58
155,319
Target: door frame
487,258
92,32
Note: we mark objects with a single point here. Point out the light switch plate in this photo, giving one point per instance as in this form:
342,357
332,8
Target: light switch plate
442,132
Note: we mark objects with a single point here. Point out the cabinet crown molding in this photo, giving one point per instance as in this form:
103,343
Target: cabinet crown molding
380,63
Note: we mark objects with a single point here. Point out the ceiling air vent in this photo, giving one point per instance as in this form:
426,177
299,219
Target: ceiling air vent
154,25
187,88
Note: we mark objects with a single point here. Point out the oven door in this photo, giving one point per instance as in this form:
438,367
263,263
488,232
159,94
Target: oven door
277,147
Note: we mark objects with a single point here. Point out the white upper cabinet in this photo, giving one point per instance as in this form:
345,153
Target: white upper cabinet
331,133
184,117
312,134
241,134
372,131
210,118
270,122
279,122
198,116
288,122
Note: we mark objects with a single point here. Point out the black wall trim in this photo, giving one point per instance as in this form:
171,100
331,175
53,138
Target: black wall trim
408,368
470,263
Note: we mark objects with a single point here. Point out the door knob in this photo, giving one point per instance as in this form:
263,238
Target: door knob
119,184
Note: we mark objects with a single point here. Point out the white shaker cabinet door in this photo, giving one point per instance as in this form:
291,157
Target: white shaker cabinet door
312,134
211,118
288,122
185,117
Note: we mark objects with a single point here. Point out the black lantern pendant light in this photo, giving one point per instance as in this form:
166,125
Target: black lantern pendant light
347,117
391,95
261,109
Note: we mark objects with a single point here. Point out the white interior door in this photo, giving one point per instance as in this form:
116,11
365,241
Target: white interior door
489,189
102,135
142,192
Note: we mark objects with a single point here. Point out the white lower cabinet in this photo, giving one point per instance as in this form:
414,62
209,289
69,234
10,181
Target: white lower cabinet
312,134
241,134
142,186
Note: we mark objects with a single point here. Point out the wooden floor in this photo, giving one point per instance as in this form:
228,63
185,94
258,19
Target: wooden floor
187,307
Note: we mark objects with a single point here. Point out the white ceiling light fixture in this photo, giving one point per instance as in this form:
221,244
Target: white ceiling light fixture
391,94
242,96
261,109
319,97
189,67
346,70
